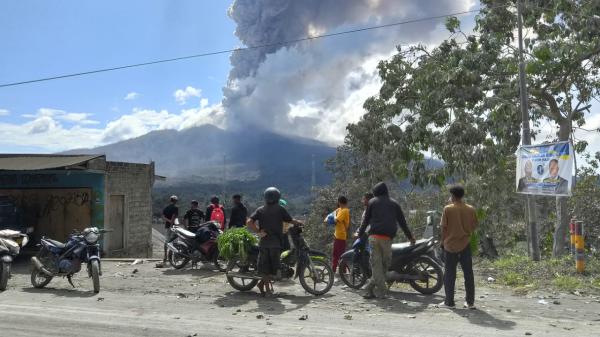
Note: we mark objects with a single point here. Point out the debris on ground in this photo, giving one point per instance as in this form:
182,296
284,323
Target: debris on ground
348,317
135,271
100,299
544,302
260,316
181,295
491,279
137,261
303,317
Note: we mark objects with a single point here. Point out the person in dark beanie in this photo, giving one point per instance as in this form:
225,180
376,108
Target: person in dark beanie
458,222
383,216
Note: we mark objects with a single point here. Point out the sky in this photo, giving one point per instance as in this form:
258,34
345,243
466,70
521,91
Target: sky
46,38
310,89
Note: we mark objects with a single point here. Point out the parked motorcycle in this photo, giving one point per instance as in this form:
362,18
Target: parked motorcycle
416,265
311,267
64,259
11,242
198,245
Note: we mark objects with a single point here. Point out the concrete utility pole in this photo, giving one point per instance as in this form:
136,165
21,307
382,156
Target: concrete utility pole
533,237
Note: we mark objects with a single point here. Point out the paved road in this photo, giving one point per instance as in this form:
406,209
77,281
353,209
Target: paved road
164,302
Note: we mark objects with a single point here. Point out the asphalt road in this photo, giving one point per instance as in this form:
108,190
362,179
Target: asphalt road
165,302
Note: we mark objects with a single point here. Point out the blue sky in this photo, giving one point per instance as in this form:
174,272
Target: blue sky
46,38
314,89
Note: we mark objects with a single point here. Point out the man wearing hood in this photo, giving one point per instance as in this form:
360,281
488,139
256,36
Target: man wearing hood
383,215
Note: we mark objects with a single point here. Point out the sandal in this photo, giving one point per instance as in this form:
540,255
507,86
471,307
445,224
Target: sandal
261,287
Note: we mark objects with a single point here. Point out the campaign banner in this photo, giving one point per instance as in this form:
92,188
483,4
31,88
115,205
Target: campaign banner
545,169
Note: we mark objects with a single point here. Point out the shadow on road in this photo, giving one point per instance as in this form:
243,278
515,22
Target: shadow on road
266,305
485,319
61,292
205,271
400,301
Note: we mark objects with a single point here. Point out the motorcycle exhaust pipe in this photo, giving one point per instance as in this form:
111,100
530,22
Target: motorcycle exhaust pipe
39,266
394,276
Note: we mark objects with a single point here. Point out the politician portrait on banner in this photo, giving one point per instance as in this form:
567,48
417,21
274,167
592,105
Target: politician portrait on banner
545,169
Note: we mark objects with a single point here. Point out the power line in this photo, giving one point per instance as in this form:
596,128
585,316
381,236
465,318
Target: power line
228,51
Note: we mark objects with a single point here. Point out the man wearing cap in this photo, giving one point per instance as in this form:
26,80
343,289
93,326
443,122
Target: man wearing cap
170,213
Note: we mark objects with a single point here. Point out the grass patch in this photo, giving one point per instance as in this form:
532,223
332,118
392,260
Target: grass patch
567,283
523,275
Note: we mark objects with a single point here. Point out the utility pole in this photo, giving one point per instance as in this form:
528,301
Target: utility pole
533,235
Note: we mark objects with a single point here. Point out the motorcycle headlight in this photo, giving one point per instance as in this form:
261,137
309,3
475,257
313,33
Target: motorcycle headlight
91,237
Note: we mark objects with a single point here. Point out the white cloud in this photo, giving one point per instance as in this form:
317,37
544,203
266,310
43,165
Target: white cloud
55,130
182,95
131,96
80,118
4,112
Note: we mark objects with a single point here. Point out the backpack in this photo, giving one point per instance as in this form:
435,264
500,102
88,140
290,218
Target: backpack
218,215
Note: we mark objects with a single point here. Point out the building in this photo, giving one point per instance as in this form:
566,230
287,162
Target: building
56,194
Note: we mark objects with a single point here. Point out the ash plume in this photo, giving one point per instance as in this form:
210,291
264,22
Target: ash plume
315,88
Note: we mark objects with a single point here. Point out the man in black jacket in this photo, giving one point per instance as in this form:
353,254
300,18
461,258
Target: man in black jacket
239,213
383,215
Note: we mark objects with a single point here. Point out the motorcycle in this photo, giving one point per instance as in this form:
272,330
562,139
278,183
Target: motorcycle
64,259
309,266
416,265
11,242
197,245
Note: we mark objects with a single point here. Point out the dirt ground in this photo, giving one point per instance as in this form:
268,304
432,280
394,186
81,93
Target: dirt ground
141,300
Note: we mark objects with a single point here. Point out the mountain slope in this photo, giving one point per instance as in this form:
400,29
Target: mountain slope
207,154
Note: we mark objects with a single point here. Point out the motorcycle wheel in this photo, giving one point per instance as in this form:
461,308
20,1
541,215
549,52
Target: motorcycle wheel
321,274
4,274
177,261
354,279
39,279
433,273
239,283
219,263
95,275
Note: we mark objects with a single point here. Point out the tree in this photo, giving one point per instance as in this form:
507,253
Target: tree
459,100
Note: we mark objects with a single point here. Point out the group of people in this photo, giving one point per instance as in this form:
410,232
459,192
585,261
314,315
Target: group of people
381,218
194,216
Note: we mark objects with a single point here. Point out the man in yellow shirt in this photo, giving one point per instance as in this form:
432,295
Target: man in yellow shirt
342,224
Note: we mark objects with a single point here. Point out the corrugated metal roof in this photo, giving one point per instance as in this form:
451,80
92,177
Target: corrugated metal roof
32,162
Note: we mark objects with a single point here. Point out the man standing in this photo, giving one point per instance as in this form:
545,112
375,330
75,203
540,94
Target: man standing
383,215
239,213
458,222
268,221
342,224
169,214
193,217
216,212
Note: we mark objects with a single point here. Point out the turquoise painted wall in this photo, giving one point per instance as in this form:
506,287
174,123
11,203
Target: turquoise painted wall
61,179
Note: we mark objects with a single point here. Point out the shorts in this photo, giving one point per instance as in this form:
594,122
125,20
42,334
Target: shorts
268,261
169,235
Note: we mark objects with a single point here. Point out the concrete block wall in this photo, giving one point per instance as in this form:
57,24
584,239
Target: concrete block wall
134,181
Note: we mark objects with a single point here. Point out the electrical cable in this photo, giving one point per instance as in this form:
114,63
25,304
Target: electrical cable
228,51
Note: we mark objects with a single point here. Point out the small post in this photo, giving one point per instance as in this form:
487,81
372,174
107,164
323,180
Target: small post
579,246
572,239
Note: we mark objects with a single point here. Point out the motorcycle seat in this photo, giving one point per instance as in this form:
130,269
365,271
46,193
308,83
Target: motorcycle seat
185,233
405,247
55,243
